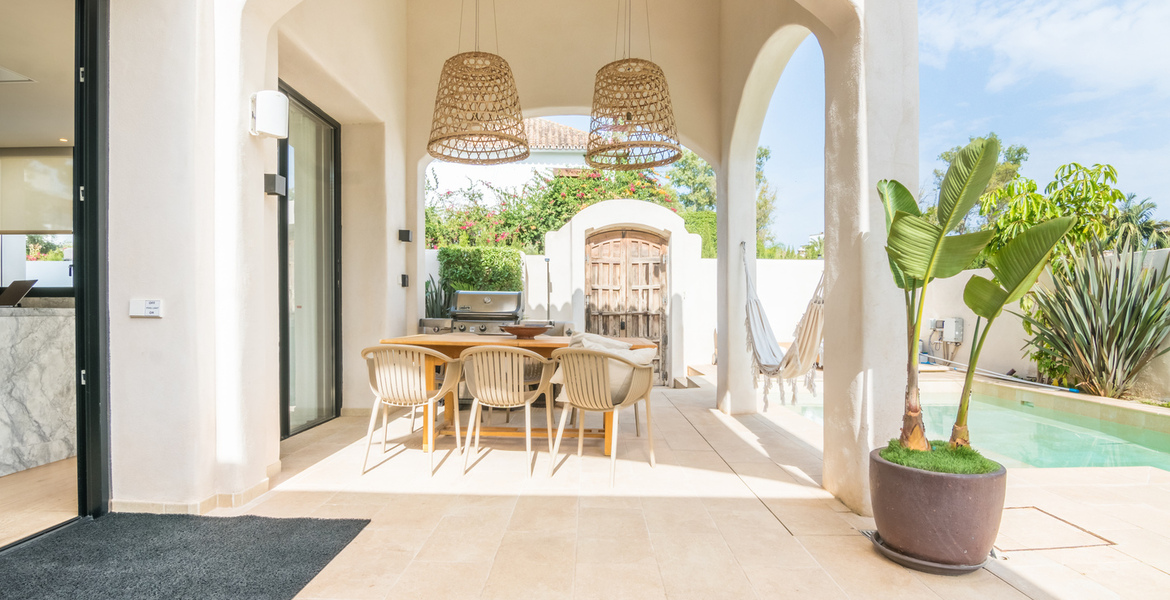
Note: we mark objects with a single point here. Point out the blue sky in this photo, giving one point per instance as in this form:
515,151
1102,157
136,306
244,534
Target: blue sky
1073,80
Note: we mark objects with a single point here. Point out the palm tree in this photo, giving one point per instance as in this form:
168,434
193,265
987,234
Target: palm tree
1134,226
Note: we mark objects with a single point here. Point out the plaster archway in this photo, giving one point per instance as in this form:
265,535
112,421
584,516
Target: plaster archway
565,249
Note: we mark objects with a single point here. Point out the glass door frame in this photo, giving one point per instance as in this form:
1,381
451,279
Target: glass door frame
282,252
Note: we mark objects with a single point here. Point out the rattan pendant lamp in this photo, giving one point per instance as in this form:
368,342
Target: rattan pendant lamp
631,126
477,109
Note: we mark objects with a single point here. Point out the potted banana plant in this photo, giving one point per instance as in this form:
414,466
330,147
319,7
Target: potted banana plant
937,505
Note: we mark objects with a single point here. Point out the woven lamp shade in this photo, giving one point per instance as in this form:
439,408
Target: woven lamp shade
632,123
477,112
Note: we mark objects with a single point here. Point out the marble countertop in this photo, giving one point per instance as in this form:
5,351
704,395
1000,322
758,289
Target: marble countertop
8,311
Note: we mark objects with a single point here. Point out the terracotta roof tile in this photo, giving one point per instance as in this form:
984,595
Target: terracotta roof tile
547,135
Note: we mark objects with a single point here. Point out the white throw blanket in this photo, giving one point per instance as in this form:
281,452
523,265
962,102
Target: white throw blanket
768,359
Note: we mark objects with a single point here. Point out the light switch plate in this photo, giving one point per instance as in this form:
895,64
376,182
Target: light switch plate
146,308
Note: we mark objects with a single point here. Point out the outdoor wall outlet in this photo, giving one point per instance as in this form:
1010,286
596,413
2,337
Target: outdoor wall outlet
146,308
405,235
406,281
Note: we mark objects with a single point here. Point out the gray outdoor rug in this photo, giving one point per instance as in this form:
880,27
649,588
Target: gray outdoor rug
131,556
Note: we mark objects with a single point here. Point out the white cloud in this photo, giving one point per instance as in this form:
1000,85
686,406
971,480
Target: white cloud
1100,47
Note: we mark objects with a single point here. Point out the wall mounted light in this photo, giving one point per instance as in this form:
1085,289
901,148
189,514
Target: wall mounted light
275,185
269,114
405,235
405,280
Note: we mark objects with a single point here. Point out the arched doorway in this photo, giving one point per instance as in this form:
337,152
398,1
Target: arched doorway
627,293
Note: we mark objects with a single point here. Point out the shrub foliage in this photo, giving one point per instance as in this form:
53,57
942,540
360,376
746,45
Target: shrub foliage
481,268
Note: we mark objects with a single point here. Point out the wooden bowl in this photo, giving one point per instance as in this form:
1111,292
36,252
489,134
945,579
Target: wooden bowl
525,332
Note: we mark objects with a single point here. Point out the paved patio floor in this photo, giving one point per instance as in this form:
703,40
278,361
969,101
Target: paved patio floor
734,509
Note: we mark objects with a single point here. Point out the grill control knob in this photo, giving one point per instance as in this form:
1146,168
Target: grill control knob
483,327
462,328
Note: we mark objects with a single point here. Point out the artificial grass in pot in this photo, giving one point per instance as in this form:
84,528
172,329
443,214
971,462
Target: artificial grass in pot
963,460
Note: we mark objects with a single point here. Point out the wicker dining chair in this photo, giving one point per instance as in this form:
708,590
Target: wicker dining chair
501,381
587,388
398,378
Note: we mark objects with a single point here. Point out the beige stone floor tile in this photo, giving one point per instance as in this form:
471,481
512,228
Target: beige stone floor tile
1129,579
677,514
366,568
855,566
1032,529
544,513
553,549
524,581
346,511
767,547
809,517
598,581
1041,578
416,511
609,522
462,539
1146,546
631,548
979,585
441,581
782,583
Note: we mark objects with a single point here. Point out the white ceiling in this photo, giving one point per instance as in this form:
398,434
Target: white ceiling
36,40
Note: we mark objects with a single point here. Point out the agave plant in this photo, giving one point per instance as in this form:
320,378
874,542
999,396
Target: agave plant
1016,267
921,250
438,298
1105,318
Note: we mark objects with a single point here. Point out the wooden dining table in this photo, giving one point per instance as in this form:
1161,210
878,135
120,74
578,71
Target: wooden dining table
453,344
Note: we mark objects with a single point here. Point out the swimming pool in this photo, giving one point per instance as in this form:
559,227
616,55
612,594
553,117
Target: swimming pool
1020,435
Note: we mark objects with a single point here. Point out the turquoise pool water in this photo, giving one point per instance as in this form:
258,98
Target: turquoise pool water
1022,435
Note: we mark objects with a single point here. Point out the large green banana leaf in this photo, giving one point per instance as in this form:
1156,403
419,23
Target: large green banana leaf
919,247
965,181
896,198
1016,266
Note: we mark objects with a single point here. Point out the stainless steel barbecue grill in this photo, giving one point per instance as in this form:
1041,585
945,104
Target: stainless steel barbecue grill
485,312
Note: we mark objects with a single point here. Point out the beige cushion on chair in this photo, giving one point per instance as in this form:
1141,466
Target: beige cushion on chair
620,374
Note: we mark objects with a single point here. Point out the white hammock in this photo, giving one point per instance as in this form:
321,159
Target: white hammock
768,359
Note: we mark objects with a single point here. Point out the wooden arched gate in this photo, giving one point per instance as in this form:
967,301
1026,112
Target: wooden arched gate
627,291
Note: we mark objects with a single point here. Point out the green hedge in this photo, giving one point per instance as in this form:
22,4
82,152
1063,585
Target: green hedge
481,268
702,222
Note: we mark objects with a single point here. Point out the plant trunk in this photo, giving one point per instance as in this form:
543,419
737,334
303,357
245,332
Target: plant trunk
913,430
959,434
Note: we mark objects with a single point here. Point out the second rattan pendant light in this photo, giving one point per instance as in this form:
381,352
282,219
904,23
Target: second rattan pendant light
631,126
477,110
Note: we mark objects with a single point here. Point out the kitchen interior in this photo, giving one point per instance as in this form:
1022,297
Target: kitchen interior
38,397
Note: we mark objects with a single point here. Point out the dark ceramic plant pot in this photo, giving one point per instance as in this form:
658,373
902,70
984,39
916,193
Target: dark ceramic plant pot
936,522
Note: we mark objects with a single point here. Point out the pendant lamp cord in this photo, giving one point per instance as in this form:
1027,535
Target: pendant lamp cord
649,42
496,26
459,36
477,25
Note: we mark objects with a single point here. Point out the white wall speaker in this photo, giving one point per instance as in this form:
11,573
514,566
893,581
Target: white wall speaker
269,114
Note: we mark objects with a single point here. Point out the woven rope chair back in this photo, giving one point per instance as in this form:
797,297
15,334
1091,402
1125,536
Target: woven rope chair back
586,379
498,374
398,374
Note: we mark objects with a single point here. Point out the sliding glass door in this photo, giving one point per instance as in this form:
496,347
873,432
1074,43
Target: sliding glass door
310,268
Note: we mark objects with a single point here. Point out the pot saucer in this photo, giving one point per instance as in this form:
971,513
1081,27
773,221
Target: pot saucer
918,564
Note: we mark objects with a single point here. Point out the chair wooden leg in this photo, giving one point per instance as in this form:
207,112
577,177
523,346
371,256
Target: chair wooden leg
413,414
478,430
649,431
637,428
613,449
527,437
507,415
472,425
370,433
580,435
557,446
